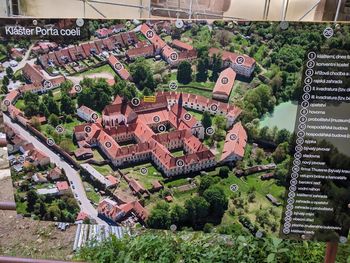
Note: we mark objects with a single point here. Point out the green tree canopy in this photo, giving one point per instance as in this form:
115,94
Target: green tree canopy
184,72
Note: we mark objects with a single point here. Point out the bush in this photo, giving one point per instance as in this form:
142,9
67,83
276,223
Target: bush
195,247
208,228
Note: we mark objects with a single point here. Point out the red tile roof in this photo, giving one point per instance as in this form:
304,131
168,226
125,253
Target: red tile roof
82,216
62,186
226,55
157,42
144,51
225,82
118,67
181,45
136,186
85,110
236,140
112,179
33,74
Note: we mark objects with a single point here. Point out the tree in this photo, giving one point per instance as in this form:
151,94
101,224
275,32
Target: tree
206,119
259,155
206,182
160,217
66,86
202,71
197,209
224,171
282,136
53,120
208,227
217,200
67,104
280,154
43,109
178,215
54,213
32,198
220,122
52,106
184,73
65,145
96,94
257,102
216,67
5,81
142,74
147,92
31,102
34,121
224,37
40,208
9,72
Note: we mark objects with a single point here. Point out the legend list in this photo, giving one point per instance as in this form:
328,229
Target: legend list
318,195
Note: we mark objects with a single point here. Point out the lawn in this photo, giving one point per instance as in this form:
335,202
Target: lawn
102,69
57,94
20,104
178,153
196,114
91,193
104,169
145,179
261,189
69,127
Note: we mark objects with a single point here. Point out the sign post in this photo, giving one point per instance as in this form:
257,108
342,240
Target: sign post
331,252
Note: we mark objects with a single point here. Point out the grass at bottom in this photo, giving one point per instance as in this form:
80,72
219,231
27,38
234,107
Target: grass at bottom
21,207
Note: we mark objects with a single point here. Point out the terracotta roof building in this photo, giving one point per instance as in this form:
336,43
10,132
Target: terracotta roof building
236,140
55,173
224,84
119,68
37,81
115,213
157,42
181,45
241,64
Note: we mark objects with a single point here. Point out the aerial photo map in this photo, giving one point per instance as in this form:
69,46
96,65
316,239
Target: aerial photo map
161,124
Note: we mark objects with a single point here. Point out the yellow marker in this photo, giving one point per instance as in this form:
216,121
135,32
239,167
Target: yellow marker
149,98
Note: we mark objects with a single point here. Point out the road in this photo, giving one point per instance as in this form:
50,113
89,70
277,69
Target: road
25,59
71,173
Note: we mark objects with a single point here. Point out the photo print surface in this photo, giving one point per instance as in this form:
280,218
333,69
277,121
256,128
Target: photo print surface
180,125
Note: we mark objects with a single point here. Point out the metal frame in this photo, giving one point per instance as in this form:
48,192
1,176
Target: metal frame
191,14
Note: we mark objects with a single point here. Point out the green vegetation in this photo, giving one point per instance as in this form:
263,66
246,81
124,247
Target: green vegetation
96,94
184,73
46,207
103,169
142,74
102,69
194,247
145,180
91,194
